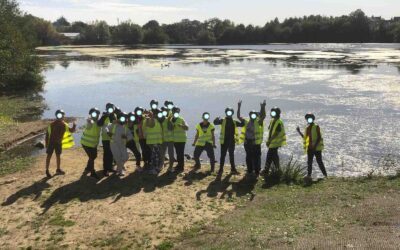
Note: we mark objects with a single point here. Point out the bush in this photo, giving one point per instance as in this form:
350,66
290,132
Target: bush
290,173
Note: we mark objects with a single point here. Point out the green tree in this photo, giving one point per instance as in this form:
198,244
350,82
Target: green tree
96,33
206,37
127,33
154,34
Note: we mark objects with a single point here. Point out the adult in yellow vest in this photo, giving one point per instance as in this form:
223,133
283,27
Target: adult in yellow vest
133,144
154,140
168,138
119,135
228,138
179,128
107,118
58,137
204,140
252,137
313,144
276,139
90,140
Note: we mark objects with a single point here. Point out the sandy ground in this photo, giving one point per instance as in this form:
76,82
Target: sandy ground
135,211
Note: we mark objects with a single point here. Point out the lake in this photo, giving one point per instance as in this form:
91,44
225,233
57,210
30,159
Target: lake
353,89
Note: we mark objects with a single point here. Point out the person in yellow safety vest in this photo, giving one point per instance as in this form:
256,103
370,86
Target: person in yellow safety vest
119,135
154,139
140,112
313,144
168,140
252,137
276,139
107,118
133,144
90,140
58,137
228,138
204,140
179,127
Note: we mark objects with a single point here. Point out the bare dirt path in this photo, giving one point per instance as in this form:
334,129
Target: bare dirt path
137,211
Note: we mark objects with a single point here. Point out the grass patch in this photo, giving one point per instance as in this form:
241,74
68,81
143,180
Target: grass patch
3,231
10,163
57,219
112,241
165,245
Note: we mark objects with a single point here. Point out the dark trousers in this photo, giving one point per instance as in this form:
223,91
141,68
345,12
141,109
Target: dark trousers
198,150
310,159
180,153
92,154
107,156
253,157
224,149
131,145
146,151
272,156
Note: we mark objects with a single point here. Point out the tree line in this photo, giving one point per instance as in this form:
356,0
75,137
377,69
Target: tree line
353,28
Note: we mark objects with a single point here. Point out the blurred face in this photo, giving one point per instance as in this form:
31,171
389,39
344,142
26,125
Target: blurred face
165,113
110,110
59,115
253,116
310,120
206,117
94,115
170,106
160,115
273,114
176,115
122,119
154,106
132,118
139,112
229,113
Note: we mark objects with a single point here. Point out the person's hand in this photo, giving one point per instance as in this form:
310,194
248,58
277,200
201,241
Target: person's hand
240,103
298,129
264,103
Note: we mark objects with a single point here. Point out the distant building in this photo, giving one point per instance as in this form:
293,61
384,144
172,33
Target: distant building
72,36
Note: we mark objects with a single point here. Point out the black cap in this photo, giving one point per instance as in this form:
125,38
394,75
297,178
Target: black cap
59,111
309,115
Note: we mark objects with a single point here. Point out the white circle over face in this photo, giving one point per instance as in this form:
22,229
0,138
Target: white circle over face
59,115
206,116
176,115
160,115
253,116
132,118
154,106
122,119
110,110
229,113
310,120
273,113
139,112
94,114
170,106
165,113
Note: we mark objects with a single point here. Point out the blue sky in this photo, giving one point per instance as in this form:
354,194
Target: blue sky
240,11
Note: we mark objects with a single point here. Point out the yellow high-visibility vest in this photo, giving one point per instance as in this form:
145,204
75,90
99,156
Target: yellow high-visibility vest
104,134
222,133
154,134
168,135
313,133
68,139
204,137
91,136
179,134
280,139
258,131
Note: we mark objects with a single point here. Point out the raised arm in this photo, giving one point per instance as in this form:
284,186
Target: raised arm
238,111
262,111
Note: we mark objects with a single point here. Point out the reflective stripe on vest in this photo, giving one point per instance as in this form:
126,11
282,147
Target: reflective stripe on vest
222,133
178,132
204,137
258,131
168,135
314,135
91,136
154,134
104,134
280,139
67,140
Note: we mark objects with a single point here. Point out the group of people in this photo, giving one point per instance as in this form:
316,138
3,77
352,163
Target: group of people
162,130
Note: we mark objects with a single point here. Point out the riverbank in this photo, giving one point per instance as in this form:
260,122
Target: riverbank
192,210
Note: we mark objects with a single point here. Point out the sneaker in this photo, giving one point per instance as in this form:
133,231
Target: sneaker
60,172
85,172
48,175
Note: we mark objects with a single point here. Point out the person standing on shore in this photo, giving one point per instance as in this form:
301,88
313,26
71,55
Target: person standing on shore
204,140
179,127
228,138
146,153
252,137
90,140
106,119
58,137
168,139
276,139
119,134
313,144
134,143
154,140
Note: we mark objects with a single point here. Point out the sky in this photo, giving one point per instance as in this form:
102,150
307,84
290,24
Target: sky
256,12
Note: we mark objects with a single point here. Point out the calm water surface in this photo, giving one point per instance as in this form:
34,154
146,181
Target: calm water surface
353,89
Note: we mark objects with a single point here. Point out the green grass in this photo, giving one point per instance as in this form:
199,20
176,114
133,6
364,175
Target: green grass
57,219
10,163
282,214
